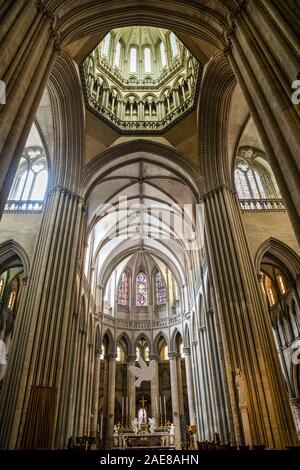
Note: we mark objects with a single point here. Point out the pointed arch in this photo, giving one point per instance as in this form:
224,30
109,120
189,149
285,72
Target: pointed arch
281,252
125,341
176,335
109,341
10,253
161,336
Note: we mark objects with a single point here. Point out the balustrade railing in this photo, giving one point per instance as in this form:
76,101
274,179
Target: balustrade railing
257,205
24,207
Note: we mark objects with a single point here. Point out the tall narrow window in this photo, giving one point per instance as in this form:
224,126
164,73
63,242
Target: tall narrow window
106,44
1,286
163,59
160,289
173,43
133,57
281,284
123,289
11,300
117,54
147,59
141,290
31,180
118,358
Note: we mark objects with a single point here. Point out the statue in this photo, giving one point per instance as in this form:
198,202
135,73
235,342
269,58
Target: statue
116,430
172,430
144,372
241,387
152,425
134,424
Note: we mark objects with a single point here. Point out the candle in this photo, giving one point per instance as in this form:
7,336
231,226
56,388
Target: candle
160,406
165,407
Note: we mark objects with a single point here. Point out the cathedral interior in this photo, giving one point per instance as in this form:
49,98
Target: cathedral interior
150,220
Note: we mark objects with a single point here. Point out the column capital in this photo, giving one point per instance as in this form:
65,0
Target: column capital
260,277
65,191
187,351
112,355
173,355
221,187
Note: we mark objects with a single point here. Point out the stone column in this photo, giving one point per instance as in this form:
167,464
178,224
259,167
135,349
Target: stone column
190,385
180,395
245,325
131,387
42,334
28,51
295,404
95,396
111,392
263,52
154,388
175,398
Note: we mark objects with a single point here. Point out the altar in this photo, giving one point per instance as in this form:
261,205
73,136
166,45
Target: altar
130,440
145,435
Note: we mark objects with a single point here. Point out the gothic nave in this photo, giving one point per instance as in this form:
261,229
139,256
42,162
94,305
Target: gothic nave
149,227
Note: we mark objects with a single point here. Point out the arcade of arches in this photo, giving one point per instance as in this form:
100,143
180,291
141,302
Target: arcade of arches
150,204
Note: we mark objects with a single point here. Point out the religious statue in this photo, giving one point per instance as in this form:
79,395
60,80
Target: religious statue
241,387
172,430
134,424
144,372
152,425
116,430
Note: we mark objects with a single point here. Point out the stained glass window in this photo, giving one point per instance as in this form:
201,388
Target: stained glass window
161,298
123,289
141,290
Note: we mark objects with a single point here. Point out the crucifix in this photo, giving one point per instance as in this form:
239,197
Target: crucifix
143,401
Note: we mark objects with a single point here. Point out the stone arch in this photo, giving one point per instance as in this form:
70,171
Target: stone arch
281,252
140,337
109,341
161,336
10,252
213,107
175,337
68,117
124,339
187,336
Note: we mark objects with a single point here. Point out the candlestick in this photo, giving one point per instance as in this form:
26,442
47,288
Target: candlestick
160,410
